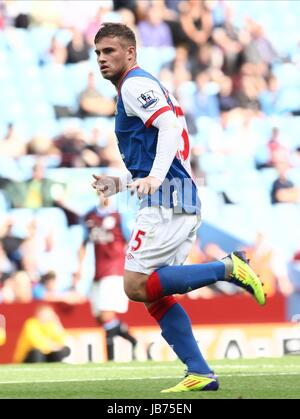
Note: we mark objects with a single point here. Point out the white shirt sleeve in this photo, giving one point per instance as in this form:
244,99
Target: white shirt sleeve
124,180
144,98
168,141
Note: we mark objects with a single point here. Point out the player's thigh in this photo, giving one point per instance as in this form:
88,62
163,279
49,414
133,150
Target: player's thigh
143,238
108,295
186,246
157,237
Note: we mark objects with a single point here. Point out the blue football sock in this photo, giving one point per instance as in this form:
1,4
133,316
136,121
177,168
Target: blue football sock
177,331
182,279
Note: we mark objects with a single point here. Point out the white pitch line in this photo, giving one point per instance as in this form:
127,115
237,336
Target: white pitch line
127,367
72,380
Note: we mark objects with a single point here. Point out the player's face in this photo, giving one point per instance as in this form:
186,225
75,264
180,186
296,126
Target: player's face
114,58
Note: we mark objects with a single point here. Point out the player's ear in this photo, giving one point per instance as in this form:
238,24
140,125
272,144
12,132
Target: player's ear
131,51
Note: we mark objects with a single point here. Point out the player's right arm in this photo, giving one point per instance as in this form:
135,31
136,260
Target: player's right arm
110,185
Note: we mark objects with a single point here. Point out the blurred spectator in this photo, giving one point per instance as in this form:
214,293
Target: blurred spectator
39,191
22,21
248,95
42,338
5,264
277,150
70,144
46,13
46,290
173,5
6,289
154,32
227,101
94,24
2,15
196,22
294,298
11,144
107,231
56,54
79,150
41,145
259,48
207,57
295,158
270,265
125,4
226,37
210,253
34,249
283,189
92,103
218,10
205,98
94,155
111,153
261,256
270,97
128,18
22,287
78,48
181,59
15,288
213,252
294,271
11,246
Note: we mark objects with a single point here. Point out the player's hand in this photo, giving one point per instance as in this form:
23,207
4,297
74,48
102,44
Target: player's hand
145,186
106,185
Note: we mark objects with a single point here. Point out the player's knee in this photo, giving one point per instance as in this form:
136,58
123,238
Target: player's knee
134,293
135,289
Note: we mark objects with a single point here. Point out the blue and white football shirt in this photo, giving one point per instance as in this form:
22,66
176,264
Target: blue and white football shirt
141,99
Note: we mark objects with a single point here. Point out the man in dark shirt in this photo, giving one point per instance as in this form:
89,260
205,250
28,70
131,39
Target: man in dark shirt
283,190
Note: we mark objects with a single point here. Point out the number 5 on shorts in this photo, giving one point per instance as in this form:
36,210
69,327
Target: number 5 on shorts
138,238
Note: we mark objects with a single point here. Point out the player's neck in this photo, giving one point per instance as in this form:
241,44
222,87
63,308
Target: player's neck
124,74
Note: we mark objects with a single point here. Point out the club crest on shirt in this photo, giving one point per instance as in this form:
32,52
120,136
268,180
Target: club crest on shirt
147,99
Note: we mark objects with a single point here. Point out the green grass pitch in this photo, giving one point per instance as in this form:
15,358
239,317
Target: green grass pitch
260,378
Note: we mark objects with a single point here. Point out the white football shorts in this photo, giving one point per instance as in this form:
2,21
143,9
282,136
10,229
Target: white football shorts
160,238
108,295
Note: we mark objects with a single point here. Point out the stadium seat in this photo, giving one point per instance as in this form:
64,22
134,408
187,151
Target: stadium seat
149,58
212,162
9,169
21,218
78,76
21,50
167,54
40,39
266,178
284,228
104,124
3,202
58,89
